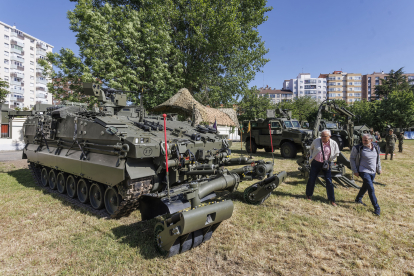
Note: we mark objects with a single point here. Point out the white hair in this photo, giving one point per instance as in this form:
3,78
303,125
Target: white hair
326,130
369,136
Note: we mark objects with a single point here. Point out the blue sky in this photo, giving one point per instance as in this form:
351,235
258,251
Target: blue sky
357,36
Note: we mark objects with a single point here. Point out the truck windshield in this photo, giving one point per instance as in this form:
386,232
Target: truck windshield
295,124
275,125
331,125
288,124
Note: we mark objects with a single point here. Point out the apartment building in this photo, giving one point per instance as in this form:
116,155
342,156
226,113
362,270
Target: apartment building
344,86
305,85
275,95
369,81
19,56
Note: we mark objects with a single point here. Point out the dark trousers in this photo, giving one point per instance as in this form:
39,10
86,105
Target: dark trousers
316,167
368,185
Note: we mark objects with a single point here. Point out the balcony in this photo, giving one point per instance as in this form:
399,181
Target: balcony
39,80
17,51
17,34
16,58
38,66
20,100
42,102
18,43
13,82
18,67
41,96
41,88
19,91
17,74
40,52
40,45
38,84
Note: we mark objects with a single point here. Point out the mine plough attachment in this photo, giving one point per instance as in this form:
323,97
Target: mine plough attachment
190,215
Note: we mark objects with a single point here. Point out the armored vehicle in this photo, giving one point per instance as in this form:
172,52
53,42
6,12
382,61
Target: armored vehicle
119,159
286,133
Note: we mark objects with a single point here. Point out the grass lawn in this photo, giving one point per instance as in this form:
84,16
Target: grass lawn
287,235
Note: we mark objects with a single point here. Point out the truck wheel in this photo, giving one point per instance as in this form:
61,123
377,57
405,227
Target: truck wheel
268,149
254,146
288,150
339,141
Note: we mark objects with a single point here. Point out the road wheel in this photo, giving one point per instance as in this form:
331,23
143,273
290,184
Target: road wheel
288,150
61,183
96,195
339,141
71,186
112,200
268,149
254,146
52,180
44,177
83,190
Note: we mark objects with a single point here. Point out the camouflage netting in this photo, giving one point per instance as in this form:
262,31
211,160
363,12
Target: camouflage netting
182,103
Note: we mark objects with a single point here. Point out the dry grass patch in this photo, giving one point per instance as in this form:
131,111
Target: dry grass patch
287,235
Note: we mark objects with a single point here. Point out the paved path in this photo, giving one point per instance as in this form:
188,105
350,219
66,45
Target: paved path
10,155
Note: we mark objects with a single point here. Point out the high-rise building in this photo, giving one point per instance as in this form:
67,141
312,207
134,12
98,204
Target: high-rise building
305,85
344,86
369,82
19,54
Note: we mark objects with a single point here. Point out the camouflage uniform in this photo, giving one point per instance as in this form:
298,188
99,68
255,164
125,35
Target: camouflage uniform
390,144
401,142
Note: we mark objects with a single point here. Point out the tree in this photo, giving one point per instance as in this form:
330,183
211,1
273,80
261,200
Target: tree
398,108
214,48
253,106
396,80
302,107
3,90
67,82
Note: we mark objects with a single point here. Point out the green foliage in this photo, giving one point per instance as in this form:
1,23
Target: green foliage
395,81
252,106
3,90
67,82
213,48
303,108
398,108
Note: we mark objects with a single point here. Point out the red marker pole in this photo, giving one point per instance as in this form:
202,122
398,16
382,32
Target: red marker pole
271,143
166,153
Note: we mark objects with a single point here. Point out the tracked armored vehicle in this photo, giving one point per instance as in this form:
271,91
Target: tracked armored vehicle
116,159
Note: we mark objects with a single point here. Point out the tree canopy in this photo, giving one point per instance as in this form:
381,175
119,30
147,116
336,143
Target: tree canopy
396,80
3,90
211,47
253,106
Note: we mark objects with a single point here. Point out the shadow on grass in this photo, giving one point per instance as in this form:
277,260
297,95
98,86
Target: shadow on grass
139,235
24,177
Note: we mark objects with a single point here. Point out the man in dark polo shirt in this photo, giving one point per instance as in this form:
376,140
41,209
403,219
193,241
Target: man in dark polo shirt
365,162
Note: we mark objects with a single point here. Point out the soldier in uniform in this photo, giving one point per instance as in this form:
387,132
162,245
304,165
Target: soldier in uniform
401,141
390,140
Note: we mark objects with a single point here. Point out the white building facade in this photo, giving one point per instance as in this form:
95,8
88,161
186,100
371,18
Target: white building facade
19,55
305,85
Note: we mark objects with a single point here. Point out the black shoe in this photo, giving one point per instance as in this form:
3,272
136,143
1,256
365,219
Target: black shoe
360,202
308,197
377,212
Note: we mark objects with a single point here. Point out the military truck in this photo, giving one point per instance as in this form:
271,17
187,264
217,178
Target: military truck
287,134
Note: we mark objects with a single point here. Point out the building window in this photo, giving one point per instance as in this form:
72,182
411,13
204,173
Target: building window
376,78
31,63
31,84
31,48
357,78
357,83
357,88
6,28
31,55
31,70
6,37
369,89
369,78
350,83
31,40
6,45
6,78
6,61
32,77
6,70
